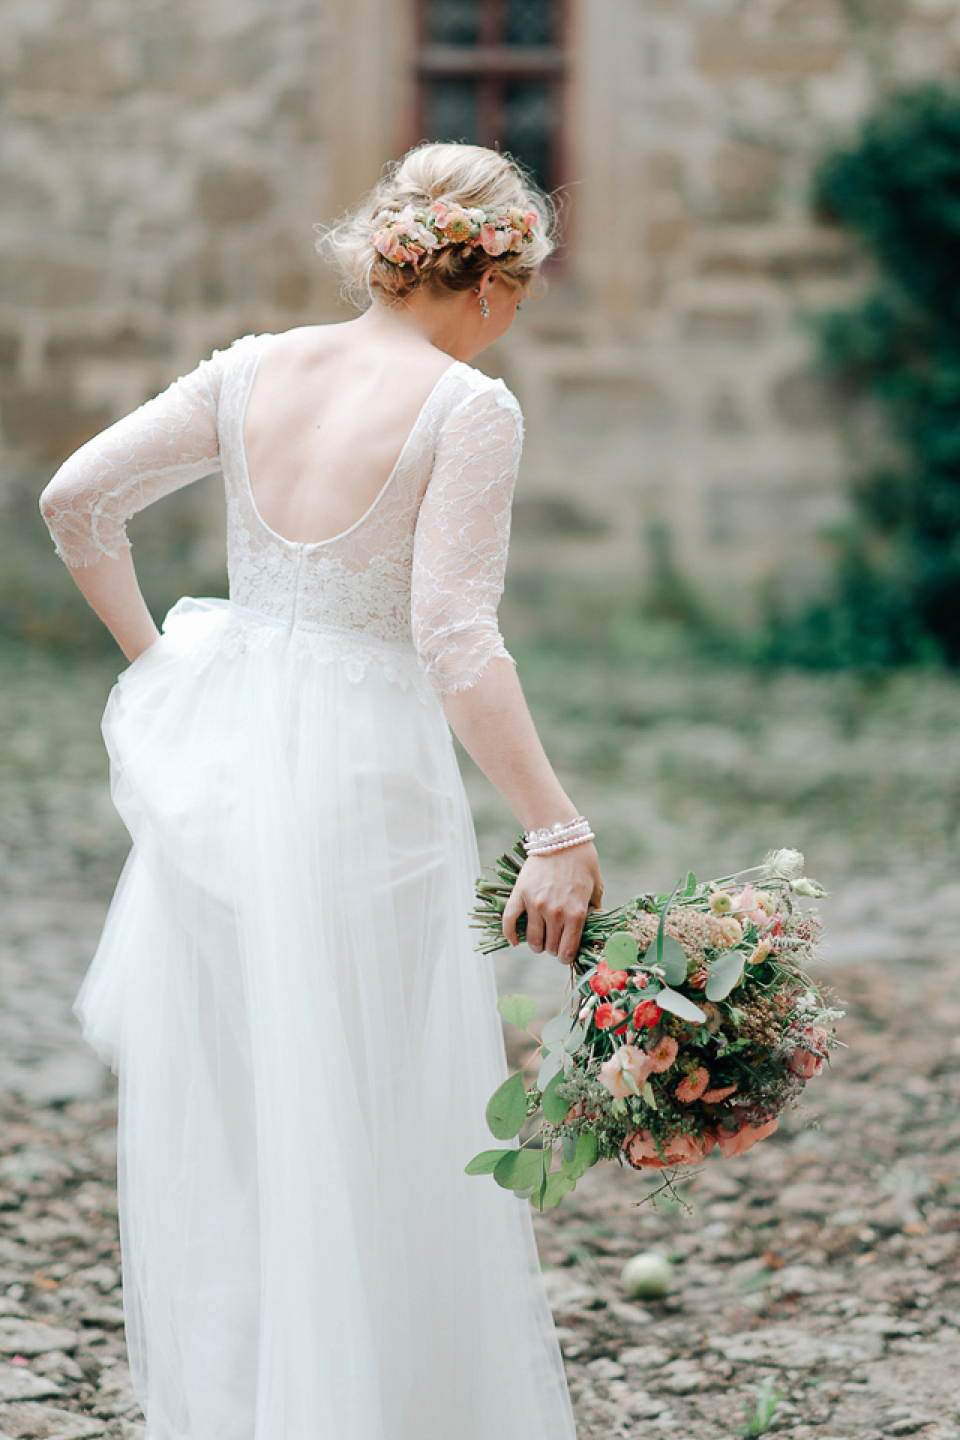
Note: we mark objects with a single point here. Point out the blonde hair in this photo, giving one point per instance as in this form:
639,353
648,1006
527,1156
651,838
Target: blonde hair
460,175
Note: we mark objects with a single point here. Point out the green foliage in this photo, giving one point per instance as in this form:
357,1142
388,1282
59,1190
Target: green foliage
507,1108
897,188
517,1009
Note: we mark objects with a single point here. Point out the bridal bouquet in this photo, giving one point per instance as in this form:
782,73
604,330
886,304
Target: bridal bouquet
692,1023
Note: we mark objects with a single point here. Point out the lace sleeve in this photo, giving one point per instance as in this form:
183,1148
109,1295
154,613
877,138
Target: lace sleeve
460,548
165,444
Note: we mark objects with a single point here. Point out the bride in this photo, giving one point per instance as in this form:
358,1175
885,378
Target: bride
286,984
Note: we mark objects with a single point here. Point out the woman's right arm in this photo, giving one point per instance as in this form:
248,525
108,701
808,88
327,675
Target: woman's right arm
459,560
168,442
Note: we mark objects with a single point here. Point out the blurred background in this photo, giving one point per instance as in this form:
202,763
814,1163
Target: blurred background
734,586
733,591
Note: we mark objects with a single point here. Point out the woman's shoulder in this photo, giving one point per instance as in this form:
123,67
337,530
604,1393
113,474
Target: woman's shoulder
474,384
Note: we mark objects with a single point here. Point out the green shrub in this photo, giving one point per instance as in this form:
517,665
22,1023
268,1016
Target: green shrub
897,188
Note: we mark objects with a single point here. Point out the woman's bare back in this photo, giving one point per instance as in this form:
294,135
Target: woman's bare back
328,415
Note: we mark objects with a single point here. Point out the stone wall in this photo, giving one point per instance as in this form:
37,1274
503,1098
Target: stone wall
162,166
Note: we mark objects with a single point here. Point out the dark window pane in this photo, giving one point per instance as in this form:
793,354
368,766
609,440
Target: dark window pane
451,110
452,22
530,22
530,119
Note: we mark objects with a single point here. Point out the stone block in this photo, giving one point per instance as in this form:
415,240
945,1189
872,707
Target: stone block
48,424
17,1382
291,288
666,233
599,403
727,54
829,260
227,197
68,61
741,326
47,1422
745,182
199,280
553,517
31,278
125,343
32,1337
9,352
806,401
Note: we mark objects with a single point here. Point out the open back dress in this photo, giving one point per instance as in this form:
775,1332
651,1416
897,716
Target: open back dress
287,984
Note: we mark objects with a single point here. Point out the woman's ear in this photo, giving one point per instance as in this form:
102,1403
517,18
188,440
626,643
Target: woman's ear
486,280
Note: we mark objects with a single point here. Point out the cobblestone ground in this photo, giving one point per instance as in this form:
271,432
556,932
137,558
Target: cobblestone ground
822,1268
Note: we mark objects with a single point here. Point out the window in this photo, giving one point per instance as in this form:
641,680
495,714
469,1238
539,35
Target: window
491,72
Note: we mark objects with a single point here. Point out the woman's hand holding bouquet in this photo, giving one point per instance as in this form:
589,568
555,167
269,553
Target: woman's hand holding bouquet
691,1024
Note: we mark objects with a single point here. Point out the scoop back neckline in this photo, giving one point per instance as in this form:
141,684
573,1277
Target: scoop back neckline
375,502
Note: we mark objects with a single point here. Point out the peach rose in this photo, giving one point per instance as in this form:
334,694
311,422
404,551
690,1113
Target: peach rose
807,1059
492,240
748,904
641,1151
763,950
735,1142
440,211
628,1060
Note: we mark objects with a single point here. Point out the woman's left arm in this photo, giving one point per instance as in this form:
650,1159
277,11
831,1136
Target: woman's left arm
165,444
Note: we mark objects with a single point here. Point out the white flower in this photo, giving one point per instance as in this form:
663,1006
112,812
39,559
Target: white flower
810,888
788,864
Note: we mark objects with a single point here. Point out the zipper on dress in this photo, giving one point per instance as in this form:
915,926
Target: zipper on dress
296,589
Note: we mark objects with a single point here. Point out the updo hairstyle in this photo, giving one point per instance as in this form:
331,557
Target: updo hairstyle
460,175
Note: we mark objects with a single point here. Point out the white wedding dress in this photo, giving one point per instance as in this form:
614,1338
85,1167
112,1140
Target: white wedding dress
287,984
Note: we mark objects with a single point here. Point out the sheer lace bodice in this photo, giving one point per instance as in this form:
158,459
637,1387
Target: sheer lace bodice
424,565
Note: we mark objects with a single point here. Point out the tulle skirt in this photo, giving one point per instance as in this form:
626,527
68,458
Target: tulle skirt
305,1037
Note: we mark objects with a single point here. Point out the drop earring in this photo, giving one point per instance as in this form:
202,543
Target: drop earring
484,307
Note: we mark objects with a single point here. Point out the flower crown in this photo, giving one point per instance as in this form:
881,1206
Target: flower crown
405,236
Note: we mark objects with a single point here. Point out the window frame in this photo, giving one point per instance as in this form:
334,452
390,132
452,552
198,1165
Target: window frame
493,61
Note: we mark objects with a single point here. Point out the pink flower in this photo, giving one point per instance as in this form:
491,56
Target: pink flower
606,1015
19,1360
646,1015
663,1054
628,1060
440,211
749,905
641,1151
693,1086
807,1059
492,240
735,1142
531,219
722,1092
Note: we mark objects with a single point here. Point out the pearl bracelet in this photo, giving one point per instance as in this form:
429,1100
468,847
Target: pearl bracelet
561,836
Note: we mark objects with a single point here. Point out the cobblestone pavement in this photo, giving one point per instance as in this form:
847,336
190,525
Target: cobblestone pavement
823,1267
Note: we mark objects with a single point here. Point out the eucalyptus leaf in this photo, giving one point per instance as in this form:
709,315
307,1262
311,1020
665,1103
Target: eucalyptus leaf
620,951
485,1163
680,1006
557,1027
576,1038
554,1109
584,1156
519,1170
552,1065
558,1184
507,1108
517,1009
568,1146
724,975
647,1094
673,961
